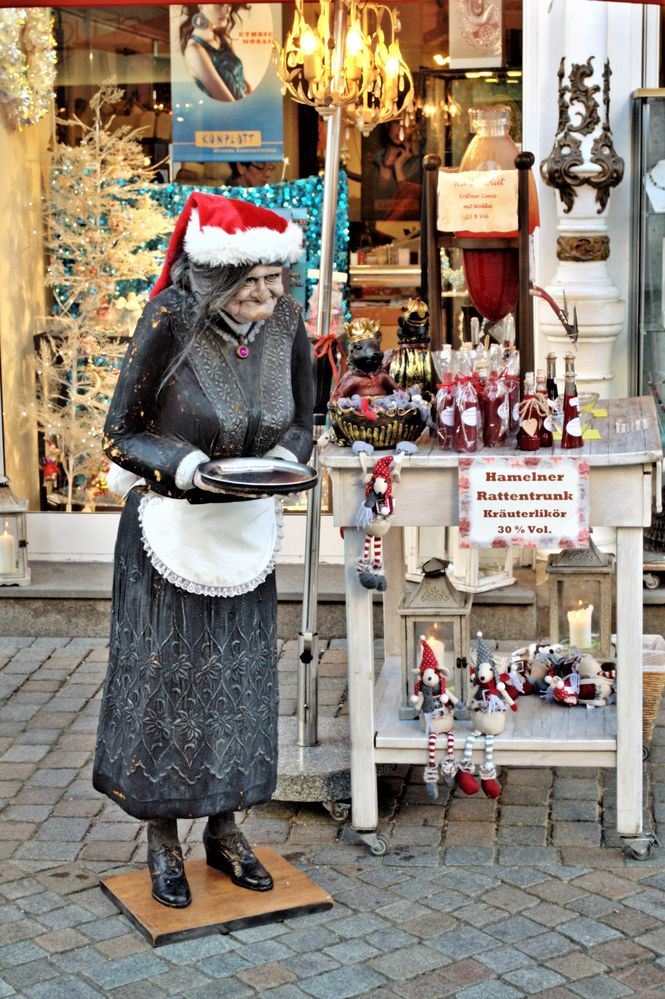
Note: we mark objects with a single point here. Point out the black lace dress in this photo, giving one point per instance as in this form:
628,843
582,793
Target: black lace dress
188,722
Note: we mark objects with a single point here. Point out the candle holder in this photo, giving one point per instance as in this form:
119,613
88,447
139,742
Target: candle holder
437,611
580,598
14,569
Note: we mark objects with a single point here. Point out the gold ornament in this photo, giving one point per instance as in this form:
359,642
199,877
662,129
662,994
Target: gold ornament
27,64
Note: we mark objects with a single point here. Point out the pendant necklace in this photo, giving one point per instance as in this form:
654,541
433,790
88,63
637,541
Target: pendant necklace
240,340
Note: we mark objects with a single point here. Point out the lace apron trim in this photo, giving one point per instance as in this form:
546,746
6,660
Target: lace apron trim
212,549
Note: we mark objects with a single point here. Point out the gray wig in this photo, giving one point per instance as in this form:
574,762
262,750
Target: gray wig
212,288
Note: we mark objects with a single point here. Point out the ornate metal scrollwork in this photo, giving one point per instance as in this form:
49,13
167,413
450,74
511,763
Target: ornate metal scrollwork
580,98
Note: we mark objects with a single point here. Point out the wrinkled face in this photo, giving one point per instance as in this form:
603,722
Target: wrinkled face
258,296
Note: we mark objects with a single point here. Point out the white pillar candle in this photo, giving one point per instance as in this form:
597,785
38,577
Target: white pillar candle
579,624
7,553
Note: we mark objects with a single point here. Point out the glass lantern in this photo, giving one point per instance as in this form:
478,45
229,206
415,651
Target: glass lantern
437,611
14,569
580,596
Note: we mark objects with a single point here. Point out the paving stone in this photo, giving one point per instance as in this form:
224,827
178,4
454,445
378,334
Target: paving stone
469,856
545,945
588,932
401,964
20,953
522,836
463,942
309,965
605,883
22,976
21,929
65,987
344,983
574,810
122,946
391,939
489,990
513,856
650,901
575,965
640,977
134,968
600,987
67,829
540,777
557,891
584,790
352,951
576,833
60,940
532,980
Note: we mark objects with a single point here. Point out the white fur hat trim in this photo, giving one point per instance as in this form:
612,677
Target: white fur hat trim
215,247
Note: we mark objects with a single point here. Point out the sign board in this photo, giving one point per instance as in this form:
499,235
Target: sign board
523,502
483,201
243,121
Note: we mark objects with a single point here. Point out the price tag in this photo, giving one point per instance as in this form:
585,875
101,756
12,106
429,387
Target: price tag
523,502
483,201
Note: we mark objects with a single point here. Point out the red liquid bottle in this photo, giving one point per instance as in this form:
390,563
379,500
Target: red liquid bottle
492,276
528,434
546,427
494,405
571,434
465,425
445,411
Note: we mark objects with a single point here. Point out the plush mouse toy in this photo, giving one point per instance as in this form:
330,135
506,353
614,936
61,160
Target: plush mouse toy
435,708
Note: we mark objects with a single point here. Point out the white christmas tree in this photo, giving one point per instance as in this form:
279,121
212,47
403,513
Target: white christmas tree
99,220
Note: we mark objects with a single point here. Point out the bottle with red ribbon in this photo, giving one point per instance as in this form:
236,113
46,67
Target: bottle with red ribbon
465,423
512,379
547,426
445,403
571,433
494,405
528,434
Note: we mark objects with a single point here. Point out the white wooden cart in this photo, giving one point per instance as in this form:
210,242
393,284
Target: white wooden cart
625,481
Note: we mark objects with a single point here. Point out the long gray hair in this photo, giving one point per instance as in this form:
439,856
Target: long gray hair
212,288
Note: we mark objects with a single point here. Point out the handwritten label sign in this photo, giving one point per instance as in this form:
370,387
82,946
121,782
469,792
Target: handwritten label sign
523,502
478,201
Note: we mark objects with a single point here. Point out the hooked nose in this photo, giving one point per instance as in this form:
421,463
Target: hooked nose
260,293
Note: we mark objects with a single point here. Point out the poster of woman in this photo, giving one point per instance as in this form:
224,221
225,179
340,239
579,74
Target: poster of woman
392,173
227,103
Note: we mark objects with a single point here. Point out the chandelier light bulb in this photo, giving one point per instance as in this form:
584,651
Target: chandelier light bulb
308,42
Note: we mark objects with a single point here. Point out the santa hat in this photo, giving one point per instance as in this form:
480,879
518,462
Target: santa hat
222,232
483,652
428,660
381,470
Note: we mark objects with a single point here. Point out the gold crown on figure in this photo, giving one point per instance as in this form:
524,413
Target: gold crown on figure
362,329
415,312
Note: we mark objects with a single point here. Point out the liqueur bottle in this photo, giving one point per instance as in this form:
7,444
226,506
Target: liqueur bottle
494,405
528,433
547,427
445,404
552,390
492,276
571,434
465,423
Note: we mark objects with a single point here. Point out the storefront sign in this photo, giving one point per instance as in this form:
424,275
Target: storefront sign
478,201
525,502
227,103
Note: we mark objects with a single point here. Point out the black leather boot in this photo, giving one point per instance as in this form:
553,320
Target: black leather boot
230,852
167,868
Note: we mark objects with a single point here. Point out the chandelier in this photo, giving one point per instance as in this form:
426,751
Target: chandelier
349,59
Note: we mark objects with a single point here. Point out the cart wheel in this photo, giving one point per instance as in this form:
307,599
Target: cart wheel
646,751
650,580
339,810
639,847
641,854
379,847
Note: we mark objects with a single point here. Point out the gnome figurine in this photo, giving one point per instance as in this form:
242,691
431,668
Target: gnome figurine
377,509
487,704
435,708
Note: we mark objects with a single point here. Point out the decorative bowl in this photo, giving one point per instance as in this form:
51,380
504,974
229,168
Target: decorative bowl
348,426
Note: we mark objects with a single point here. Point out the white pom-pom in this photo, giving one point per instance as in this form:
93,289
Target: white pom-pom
414,698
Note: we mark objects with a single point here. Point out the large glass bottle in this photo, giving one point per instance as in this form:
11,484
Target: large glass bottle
546,427
528,433
492,276
571,433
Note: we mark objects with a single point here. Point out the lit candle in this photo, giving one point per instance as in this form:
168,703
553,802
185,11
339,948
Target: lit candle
7,552
579,623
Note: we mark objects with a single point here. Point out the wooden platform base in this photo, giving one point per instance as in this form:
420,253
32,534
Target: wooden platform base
217,904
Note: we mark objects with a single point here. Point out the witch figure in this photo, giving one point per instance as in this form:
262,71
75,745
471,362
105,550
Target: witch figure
219,367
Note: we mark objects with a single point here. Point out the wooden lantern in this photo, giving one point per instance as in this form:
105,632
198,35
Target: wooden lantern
436,610
14,569
580,596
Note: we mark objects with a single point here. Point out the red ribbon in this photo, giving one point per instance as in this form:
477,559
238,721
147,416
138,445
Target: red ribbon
325,346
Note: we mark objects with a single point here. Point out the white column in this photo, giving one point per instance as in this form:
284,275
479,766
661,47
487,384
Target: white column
577,29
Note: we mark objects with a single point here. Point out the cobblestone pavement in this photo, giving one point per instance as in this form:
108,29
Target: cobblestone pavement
529,896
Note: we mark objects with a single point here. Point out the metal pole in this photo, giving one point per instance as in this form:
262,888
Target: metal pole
308,643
